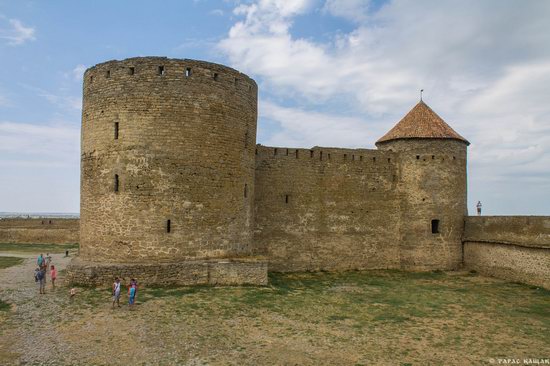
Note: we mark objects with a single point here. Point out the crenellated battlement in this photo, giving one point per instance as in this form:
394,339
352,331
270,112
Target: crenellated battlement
166,70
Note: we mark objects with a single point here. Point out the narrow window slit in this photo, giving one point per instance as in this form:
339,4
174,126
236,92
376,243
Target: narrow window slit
435,226
286,198
320,155
296,154
108,74
132,70
275,151
168,226
310,153
116,183
345,157
116,130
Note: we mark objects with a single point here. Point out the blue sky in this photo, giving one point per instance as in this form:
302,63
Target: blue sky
330,72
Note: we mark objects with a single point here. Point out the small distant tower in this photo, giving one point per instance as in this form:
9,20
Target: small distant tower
432,186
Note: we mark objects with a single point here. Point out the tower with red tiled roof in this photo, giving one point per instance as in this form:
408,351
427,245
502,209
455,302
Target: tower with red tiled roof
432,185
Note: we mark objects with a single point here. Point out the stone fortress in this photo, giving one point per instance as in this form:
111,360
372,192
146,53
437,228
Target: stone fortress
174,190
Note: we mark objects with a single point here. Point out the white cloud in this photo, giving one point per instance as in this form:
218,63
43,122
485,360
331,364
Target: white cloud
78,72
14,32
302,128
355,10
24,144
61,100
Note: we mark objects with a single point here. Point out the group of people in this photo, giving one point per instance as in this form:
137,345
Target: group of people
132,292
40,273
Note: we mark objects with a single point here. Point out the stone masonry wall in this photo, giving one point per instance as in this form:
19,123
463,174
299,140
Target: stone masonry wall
167,161
184,273
326,208
39,231
431,188
515,248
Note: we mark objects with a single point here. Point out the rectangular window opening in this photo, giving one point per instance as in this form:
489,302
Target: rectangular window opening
236,81
215,76
353,157
435,226
417,157
310,153
187,72
91,79
286,198
275,151
389,160
320,155
345,157
108,74
433,157
360,157
296,154
161,70
286,152
116,182
374,160
168,226
132,70
116,130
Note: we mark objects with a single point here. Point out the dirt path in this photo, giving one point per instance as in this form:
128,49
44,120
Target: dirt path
26,335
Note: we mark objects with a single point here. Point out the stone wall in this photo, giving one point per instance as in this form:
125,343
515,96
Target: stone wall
167,160
186,273
515,248
326,208
39,231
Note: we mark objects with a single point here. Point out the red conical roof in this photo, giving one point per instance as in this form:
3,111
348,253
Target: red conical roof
421,123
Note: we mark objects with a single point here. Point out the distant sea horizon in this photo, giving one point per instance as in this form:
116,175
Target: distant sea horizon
33,215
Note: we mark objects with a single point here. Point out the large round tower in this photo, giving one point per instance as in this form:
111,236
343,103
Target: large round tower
167,164
432,186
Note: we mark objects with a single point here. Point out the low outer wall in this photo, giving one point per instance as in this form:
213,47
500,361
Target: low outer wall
515,248
39,231
187,273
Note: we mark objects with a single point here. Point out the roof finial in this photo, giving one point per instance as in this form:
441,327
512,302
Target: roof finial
421,91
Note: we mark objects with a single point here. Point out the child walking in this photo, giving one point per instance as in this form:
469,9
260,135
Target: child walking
53,275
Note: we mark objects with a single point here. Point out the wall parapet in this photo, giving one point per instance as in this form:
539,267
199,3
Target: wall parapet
514,248
526,231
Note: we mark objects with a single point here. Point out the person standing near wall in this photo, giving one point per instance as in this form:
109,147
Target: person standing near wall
116,292
478,207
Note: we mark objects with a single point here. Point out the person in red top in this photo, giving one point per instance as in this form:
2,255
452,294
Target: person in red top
53,275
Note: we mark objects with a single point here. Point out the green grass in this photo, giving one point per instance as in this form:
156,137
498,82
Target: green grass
6,262
4,306
36,248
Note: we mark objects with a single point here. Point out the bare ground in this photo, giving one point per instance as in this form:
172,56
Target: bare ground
354,318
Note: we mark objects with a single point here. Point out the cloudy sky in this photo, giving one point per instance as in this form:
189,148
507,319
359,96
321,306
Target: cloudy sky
331,73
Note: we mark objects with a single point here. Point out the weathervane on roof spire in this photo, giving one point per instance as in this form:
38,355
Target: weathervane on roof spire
421,91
